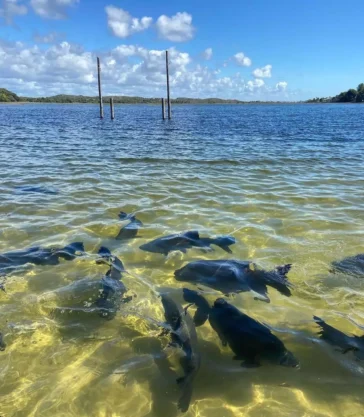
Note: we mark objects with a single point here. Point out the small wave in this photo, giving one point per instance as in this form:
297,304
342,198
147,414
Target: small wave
169,160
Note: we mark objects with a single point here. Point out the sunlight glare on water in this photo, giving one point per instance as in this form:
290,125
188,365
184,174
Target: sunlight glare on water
285,180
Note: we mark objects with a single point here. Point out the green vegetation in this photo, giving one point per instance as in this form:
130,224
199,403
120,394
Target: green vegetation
8,96
350,96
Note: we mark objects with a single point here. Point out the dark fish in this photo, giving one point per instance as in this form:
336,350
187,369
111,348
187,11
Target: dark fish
231,276
36,189
130,230
353,265
183,335
341,340
37,255
112,288
247,338
2,343
187,240
203,307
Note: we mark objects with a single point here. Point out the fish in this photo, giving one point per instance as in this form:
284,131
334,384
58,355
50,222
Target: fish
339,339
38,255
352,265
249,339
186,240
112,288
233,276
2,343
36,189
183,335
130,230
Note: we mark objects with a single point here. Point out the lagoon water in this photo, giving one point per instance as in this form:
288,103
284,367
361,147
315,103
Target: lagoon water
285,180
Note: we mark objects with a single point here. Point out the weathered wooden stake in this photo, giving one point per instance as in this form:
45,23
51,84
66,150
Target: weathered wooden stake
100,94
112,108
163,108
168,95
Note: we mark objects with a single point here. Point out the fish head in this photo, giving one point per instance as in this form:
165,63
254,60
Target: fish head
191,296
185,274
289,360
152,247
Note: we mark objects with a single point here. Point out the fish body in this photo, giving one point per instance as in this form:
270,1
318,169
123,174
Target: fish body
247,338
187,240
233,276
339,339
183,335
353,265
130,230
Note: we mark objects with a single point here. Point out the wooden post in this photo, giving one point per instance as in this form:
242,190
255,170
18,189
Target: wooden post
168,95
112,108
163,108
100,94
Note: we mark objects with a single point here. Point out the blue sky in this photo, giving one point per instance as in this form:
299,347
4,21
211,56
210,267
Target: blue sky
257,49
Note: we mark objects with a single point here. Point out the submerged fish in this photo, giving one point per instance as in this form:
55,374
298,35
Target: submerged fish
187,240
113,289
36,189
183,335
246,337
353,265
38,255
2,343
341,340
130,230
231,276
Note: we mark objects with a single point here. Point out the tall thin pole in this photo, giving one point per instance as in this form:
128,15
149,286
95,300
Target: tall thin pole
112,108
100,94
163,108
168,95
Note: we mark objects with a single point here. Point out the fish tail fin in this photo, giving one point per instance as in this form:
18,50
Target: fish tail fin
123,216
224,242
283,269
104,254
69,252
186,387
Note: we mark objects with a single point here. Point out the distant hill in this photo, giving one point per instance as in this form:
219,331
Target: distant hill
8,96
350,96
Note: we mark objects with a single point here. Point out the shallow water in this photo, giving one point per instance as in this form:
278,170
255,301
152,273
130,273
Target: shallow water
286,181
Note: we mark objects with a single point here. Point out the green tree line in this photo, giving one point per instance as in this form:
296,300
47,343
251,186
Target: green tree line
351,96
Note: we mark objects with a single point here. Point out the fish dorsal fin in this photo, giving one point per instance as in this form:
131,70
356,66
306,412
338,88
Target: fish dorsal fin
192,234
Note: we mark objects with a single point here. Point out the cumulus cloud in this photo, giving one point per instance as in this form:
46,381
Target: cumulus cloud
52,9
242,60
255,84
11,8
65,68
177,28
207,54
281,86
264,72
122,24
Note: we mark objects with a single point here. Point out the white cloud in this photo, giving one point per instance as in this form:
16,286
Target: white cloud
122,24
264,72
52,9
177,28
11,8
50,37
65,68
281,86
207,54
253,85
242,60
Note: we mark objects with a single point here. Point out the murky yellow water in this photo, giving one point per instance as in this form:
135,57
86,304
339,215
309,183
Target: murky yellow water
286,181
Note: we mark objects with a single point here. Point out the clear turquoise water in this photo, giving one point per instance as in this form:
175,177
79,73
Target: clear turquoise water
286,180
